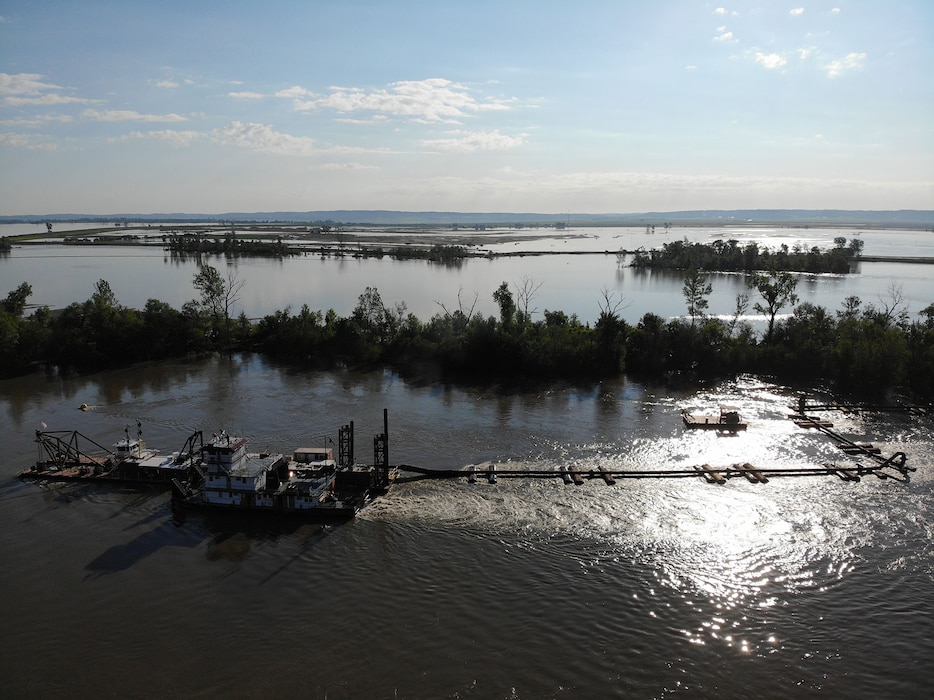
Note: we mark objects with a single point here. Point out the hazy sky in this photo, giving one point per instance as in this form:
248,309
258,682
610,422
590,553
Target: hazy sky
470,105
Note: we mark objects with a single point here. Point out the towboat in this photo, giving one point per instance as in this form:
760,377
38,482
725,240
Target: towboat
308,482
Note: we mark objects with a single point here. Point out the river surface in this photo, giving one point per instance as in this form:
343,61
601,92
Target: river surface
799,588
577,276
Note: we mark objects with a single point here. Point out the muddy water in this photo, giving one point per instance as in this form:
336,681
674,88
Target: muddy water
524,589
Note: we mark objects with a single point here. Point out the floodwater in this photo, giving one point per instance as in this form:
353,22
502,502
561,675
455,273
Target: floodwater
578,276
802,587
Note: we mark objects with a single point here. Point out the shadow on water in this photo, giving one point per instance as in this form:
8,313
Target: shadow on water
232,535
125,556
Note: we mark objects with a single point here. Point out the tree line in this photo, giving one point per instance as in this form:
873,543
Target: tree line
730,256
860,349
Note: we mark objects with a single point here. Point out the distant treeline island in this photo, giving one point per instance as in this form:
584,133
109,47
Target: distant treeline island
859,349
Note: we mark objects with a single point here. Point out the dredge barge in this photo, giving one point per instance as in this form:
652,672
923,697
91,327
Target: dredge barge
71,456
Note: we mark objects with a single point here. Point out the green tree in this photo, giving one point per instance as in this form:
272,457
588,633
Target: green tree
507,305
696,289
218,297
777,290
15,302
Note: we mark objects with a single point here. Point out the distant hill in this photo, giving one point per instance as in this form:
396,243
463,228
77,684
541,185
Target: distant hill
819,217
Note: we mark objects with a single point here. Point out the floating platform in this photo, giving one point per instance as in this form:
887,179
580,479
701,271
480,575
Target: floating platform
728,421
809,421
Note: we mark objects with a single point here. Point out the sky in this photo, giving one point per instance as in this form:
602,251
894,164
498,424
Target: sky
615,106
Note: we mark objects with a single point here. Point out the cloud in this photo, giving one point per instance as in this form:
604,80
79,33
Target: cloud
720,11
246,95
166,84
50,99
18,89
835,11
29,142
256,137
348,166
796,11
24,84
804,53
431,100
263,138
295,92
771,61
726,37
173,136
852,61
470,141
128,115
37,121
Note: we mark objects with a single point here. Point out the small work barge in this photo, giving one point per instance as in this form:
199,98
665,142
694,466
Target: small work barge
727,422
309,482
67,455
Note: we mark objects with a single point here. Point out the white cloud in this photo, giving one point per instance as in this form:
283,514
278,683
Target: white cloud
246,95
771,61
21,89
295,92
470,141
852,61
128,115
50,99
24,84
37,121
166,84
256,137
835,11
804,53
375,119
173,136
720,11
796,11
262,138
726,37
348,166
29,142
431,100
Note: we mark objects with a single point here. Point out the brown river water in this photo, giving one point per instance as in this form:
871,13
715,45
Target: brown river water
802,587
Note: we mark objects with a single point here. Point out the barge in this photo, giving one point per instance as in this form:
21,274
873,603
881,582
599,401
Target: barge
728,421
309,482
70,456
